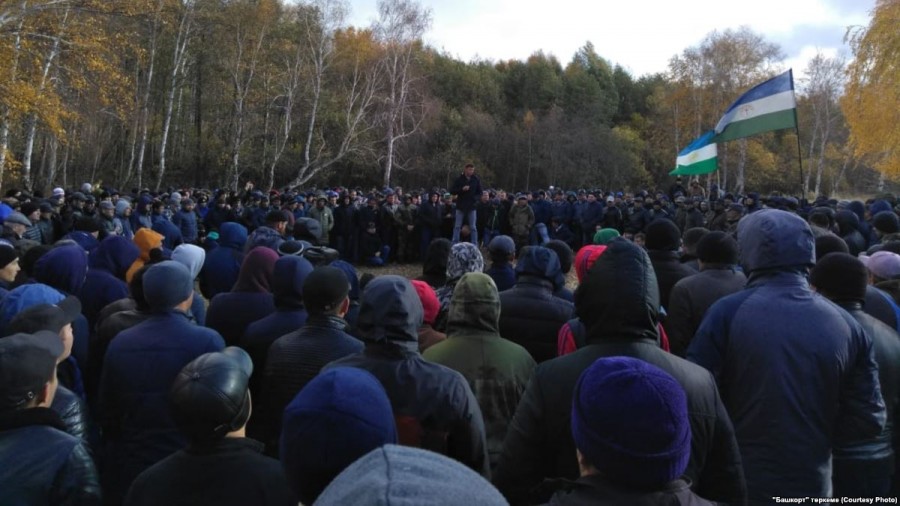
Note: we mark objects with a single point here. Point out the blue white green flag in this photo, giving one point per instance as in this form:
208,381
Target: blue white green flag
765,107
699,157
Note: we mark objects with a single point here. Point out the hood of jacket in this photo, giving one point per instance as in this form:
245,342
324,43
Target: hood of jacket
352,277
847,222
190,256
232,235
619,296
63,268
146,240
171,234
540,262
390,311
256,271
287,281
115,255
475,305
772,239
87,241
264,237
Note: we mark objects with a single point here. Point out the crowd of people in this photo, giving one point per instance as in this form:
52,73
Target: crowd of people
197,347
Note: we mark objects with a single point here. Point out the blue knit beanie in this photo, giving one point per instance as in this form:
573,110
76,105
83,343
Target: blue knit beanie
339,416
630,421
167,284
541,262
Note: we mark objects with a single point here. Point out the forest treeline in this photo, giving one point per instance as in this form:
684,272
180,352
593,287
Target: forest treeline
213,93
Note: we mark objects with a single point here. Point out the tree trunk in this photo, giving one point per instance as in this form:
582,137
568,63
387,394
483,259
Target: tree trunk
389,162
178,61
31,120
742,162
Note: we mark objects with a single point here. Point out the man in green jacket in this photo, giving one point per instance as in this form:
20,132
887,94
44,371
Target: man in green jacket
497,369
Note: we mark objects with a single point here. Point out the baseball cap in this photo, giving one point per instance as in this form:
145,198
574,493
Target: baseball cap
46,317
324,288
883,264
27,362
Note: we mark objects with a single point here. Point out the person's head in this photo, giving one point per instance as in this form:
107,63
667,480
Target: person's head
390,310
107,209
630,423
591,198
882,265
55,318
430,304
339,416
210,397
619,295
469,169
771,239
885,222
393,474
17,222
370,227
28,370
32,211
717,249
830,243
663,235
288,276
564,253
691,238
640,239
168,285
485,196
542,263
840,277
187,205
604,235
464,257
9,263
475,304
502,249
521,200
325,291
277,220
585,259
256,271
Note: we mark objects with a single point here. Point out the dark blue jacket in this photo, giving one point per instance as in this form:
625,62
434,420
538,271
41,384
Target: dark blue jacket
140,365
106,273
542,211
186,221
504,276
796,372
231,313
590,218
42,465
562,210
222,265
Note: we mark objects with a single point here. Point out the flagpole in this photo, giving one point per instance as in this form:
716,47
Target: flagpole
797,130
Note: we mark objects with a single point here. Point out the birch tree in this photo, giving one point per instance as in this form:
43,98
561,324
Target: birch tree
179,52
400,27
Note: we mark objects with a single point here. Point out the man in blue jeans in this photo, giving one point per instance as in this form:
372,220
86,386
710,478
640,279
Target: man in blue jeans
467,189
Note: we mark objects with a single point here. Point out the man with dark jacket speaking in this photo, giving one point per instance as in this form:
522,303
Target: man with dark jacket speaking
467,189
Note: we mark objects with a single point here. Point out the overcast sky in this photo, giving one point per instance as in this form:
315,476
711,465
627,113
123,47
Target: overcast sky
640,35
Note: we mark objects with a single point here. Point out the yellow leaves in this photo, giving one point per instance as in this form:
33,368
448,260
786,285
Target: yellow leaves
872,100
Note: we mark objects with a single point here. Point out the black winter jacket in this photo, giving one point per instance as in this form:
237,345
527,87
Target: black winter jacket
42,465
73,412
531,316
466,199
433,405
619,303
293,361
232,471
669,270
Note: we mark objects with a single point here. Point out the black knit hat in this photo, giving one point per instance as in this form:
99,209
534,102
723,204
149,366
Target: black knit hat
830,243
663,235
886,222
717,248
841,277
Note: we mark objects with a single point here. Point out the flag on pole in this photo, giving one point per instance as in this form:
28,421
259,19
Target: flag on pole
765,107
699,157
